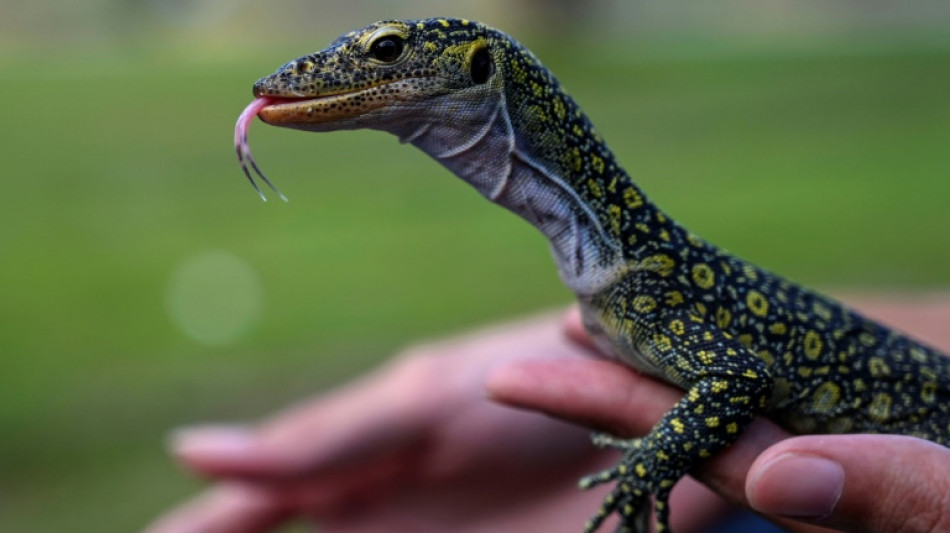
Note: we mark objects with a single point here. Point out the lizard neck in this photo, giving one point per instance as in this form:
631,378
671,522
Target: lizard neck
532,150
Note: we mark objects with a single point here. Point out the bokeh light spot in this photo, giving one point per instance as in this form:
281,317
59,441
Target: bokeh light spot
214,297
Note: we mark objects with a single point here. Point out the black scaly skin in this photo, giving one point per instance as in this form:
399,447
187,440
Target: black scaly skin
741,342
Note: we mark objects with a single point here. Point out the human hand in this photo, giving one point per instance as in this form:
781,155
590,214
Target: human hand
415,446
853,483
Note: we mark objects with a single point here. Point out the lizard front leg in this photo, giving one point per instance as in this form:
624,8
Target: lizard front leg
727,386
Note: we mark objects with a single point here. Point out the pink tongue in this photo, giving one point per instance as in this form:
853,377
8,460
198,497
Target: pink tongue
247,116
244,150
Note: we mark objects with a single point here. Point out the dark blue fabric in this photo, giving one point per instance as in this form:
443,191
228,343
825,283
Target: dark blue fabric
745,522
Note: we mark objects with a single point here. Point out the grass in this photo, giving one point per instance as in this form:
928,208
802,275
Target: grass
829,168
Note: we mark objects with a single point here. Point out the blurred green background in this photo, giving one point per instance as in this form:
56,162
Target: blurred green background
145,286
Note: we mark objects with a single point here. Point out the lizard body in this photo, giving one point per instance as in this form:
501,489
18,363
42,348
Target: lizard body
739,340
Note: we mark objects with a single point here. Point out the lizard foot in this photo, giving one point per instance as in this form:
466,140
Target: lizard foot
631,497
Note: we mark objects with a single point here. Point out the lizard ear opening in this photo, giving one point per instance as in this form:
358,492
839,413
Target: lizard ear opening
481,65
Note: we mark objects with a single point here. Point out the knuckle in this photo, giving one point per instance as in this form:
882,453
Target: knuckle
926,513
419,363
925,508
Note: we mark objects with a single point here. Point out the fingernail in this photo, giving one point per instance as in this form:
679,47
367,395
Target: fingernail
797,486
217,441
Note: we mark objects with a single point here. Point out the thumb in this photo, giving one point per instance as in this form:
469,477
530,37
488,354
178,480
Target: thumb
855,483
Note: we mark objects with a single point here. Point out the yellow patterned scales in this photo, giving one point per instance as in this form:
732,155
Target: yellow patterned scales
739,340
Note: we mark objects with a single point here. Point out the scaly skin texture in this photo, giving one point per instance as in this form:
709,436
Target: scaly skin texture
739,340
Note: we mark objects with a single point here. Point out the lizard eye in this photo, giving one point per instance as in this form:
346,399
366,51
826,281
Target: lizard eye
388,48
482,66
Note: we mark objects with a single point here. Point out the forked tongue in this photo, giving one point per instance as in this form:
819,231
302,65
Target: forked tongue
243,149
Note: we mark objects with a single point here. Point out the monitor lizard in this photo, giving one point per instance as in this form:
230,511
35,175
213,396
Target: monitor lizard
739,340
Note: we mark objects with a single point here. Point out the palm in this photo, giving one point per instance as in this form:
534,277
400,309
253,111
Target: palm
414,447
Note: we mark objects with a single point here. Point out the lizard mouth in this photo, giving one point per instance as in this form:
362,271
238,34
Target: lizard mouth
305,112
315,113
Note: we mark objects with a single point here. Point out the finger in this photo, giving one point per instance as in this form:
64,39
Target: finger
229,508
593,392
857,483
573,326
380,415
611,397
325,434
923,316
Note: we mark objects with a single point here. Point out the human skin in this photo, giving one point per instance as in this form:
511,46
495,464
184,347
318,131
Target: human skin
419,446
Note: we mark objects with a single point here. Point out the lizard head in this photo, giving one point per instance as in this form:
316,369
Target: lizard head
480,104
391,75
466,94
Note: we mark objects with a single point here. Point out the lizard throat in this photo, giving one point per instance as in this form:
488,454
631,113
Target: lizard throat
483,148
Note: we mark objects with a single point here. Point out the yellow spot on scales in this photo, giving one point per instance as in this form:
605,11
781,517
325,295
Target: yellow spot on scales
703,276
674,298
928,393
878,367
745,339
750,272
813,345
594,188
826,397
662,343
723,317
821,311
918,355
757,303
616,215
676,326
576,160
678,426
662,264
632,198
597,164
700,308
880,408
644,304
560,112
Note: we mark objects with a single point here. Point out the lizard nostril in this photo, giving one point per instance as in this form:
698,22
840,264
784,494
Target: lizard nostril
260,88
